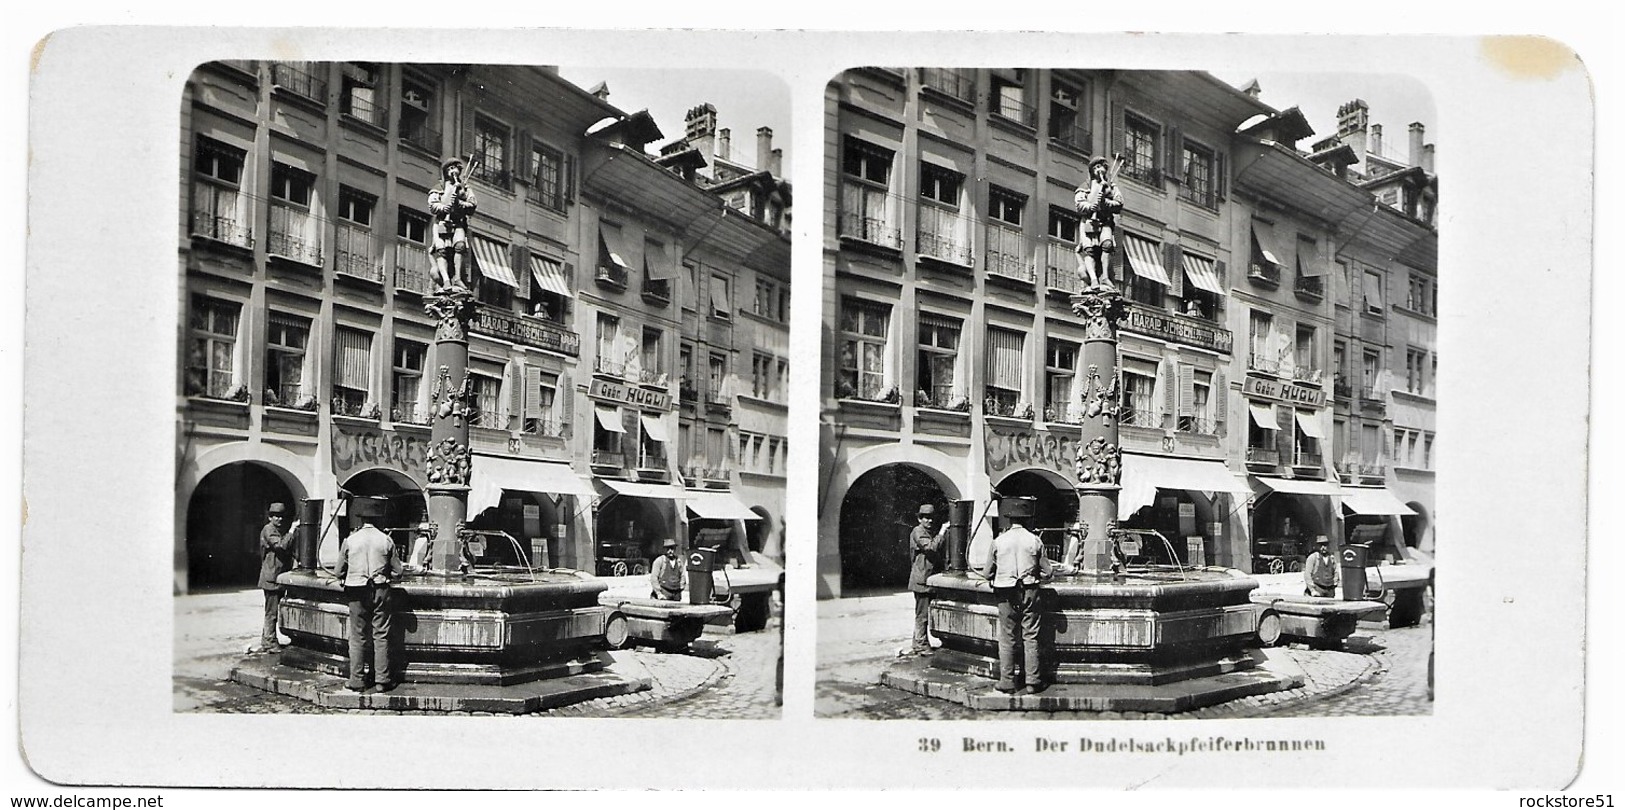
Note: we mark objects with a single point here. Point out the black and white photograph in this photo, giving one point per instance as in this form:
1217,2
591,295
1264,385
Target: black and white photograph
482,400
1132,383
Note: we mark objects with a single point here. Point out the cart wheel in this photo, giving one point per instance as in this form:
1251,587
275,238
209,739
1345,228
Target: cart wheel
616,634
619,569
1296,567
639,569
1269,629
1277,566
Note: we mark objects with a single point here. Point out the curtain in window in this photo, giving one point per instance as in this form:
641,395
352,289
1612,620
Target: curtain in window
1004,358
239,350
353,360
426,385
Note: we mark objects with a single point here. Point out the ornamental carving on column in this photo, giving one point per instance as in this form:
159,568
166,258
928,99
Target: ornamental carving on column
1101,398
448,463
454,401
1102,309
1100,463
452,310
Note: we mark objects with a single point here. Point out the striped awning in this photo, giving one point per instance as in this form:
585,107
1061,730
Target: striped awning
1142,256
1202,273
492,259
549,275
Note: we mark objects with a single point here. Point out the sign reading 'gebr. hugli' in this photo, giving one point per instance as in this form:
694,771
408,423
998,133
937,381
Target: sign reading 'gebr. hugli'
1284,392
629,394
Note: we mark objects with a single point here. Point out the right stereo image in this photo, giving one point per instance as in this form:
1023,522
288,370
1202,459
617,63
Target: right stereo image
1127,395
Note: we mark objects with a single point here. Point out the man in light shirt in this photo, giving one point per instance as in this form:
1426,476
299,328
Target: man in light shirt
1015,569
368,565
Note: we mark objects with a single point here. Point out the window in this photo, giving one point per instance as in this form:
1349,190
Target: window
287,366
607,430
937,370
767,376
1068,117
864,364
1310,268
775,447
716,449
359,97
547,175
960,84
1261,428
1372,292
1371,369
490,149
1305,354
487,401
356,249
1419,296
412,250
651,442
717,368
721,302
940,234
352,372
541,400
1003,394
657,272
1006,245
1198,172
1005,205
866,210
1139,379
611,358
408,402
1263,352
1370,446
1305,445
294,231
1060,377
772,301
1007,96
220,208
303,78
1427,451
1060,250
1200,419
1416,371
1140,138
417,114
211,349
653,356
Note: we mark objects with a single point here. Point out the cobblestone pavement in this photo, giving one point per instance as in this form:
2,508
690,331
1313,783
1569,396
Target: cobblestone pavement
728,676
1378,672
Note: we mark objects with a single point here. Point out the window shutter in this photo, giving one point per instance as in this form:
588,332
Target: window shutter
1169,160
468,134
1116,124
569,179
1187,389
519,260
565,399
1218,270
1170,390
1286,430
514,379
1176,271
521,157
1220,398
1220,187
532,392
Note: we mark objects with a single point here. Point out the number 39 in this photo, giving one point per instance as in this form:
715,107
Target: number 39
930,745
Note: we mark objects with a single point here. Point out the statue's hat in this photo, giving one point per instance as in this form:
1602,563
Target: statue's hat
446,164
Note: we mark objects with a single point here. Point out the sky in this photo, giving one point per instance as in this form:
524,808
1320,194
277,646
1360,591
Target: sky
745,100
1394,102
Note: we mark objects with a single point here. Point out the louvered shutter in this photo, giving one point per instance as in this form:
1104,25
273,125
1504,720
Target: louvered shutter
1169,161
1170,389
468,138
521,157
532,393
1221,401
1176,271
519,260
1220,187
514,378
1116,125
566,398
569,179
1286,430
1187,389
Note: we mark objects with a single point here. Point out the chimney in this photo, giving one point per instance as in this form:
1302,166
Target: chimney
1252,89
1416,144
700,128
722,144
764,148
775,166
1375,139
1427,158
1352,119
600,91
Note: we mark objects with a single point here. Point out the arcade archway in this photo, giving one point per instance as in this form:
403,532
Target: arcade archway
1055,504
404,506
223,522
1415,527
1283,524
877,515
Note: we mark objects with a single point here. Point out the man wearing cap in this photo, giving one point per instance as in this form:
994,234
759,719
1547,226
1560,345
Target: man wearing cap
1320,574
367,565
451,203
925,544
276,557
666,576
1015,569
1099,202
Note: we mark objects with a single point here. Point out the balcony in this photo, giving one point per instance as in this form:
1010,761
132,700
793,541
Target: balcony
549,428
1147,174
865,216
687,392
608,459
1306,458
1198,425
1263,456
955,84
1014,110
356,253
657,291
936,236
1372,397
421,135
299,78
653,377
215,215
1263,363
412,263
1007,254
492,174
1312,288
1002,404
612,277
1341,387
1264,274
408,414
1063,414
1060,267
609,368
1308,374
652,465
364,110
1138,417
292,234
1071,135
526,330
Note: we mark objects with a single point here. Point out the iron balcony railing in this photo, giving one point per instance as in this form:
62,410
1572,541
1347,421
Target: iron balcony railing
1313,286
1063,413
1263,455
612,275
1266,272
1017,110
960,84
650,376
421,135
1074,135
1061,267
288,234
214,216
412,267
1007,253
364,109
298,77
1263,362
1199,425
551,428
609,367
652,461
1342,388
936,236
1138,417
1000,404
407,413
865,216
1306,458
607,458
657,290
356,253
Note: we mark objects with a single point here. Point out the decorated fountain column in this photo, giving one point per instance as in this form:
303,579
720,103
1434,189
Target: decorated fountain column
448,462
1100,459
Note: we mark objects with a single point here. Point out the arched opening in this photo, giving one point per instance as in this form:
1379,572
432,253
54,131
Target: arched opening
877,514
1415,527
223,522
759,533
533,520
1283,525
404,505
1055,505
629,531
1178,515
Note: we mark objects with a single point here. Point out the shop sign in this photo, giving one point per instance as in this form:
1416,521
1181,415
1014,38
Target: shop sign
1284,392
1013,448
1178,329
357,448
629,394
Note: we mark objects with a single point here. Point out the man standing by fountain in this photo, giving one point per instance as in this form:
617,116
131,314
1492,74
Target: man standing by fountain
666,574
1015,569
368,565
1320,572
925,544
276,557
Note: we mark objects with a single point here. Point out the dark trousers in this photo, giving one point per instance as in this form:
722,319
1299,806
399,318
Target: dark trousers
1018,635
922,621
369,622
273,601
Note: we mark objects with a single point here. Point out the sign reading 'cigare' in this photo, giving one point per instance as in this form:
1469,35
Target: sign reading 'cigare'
366,448
1019,448
629,394
1284,392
